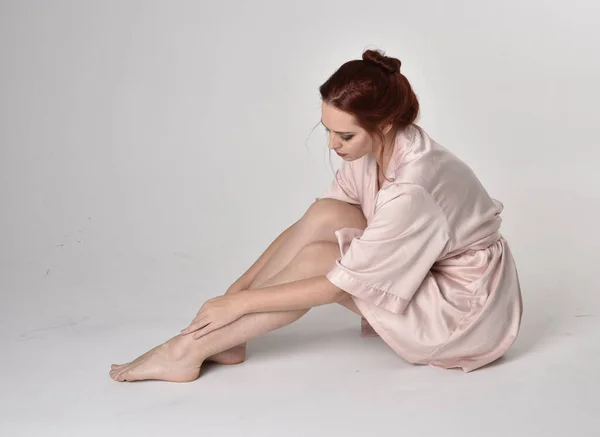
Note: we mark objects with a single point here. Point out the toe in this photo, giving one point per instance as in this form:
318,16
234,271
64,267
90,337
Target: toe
116,373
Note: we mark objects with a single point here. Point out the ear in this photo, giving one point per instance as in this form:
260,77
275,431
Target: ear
386,128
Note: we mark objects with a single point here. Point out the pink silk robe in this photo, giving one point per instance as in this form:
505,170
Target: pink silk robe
431,272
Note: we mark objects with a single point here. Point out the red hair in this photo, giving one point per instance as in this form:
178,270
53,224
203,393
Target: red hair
374,91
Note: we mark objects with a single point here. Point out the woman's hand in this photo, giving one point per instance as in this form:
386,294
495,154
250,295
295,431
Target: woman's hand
216,313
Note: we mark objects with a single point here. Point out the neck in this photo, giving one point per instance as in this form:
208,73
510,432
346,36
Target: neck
384,159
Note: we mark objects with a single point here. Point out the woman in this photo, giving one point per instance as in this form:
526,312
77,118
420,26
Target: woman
406,237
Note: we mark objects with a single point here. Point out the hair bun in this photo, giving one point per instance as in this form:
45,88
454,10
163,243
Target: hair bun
391,65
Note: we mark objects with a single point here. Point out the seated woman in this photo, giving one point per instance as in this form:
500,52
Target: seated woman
406,237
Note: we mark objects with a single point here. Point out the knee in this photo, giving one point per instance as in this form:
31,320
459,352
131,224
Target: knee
332,214
322,253
319,247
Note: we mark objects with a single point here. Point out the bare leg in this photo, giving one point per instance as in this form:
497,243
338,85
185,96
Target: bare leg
181,358
318,224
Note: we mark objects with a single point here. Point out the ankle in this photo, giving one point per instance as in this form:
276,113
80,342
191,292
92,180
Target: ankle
179,347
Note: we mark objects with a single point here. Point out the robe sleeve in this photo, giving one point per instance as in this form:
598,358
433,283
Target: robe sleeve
343,187
388,262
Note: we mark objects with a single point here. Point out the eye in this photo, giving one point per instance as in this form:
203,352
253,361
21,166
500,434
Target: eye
343,137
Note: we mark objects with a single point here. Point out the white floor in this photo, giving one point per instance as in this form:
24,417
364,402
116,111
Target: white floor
62,327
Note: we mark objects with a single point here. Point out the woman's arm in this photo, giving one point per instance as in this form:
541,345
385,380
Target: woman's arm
244,281
295,295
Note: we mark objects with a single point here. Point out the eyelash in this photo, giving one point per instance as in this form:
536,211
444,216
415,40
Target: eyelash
343,138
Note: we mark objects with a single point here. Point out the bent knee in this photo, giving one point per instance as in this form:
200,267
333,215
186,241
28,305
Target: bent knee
331,215
318,256
320,249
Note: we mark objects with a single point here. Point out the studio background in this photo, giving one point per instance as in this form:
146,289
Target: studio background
150,151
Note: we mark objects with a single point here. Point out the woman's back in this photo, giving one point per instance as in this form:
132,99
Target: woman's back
431,272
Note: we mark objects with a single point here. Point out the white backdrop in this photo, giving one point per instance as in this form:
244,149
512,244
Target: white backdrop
150,151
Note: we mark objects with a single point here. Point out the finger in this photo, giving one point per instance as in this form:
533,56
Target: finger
192,328
210,327
188,328
206,330
198,319
195,326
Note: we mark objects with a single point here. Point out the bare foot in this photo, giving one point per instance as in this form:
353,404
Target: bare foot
235,355
167,362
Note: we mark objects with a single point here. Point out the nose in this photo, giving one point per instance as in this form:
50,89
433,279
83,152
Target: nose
333,143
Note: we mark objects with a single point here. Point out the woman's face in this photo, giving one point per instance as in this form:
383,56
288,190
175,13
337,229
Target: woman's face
346,137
